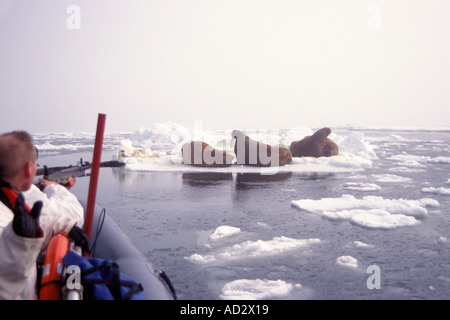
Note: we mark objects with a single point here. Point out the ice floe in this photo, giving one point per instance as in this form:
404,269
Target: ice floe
440,191
359,244
361,186
257,289
347,261
223,232
406,158
253,249
370,212
159,149
391,178
442,240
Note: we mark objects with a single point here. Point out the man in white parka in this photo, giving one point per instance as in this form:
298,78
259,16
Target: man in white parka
29,217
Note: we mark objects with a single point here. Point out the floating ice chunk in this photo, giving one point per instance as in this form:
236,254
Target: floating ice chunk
360,244
372,219
340,215
428,202
347,261
412,164
381,219
347,202
223,232
262,225
245,289
199,259
361,186
442,240
408,158
391,178
441,191
326,204
406,169
370,211
254,249
404,157
440,160
357,176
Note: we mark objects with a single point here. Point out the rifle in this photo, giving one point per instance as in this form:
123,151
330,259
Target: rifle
61,174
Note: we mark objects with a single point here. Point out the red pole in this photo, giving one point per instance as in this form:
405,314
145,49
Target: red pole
95,168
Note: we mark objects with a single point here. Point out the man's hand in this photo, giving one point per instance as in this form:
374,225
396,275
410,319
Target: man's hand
26,224
80,238
70,182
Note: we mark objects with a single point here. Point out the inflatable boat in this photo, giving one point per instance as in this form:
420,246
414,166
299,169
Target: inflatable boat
113,244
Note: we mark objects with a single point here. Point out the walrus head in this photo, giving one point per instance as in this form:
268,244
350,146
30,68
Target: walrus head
323,133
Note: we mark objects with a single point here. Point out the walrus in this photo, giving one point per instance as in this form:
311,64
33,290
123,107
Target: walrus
201,154
253,153
317,145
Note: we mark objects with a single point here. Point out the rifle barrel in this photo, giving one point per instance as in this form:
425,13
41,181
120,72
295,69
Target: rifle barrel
106,164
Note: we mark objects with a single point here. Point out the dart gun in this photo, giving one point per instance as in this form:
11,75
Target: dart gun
61,174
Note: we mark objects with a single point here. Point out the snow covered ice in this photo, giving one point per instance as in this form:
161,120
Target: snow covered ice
223,232
440,190
245,289
347,261
159,148
254,249
370,211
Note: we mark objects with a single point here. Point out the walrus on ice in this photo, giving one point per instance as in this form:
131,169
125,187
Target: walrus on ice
317,145
254,153
201,154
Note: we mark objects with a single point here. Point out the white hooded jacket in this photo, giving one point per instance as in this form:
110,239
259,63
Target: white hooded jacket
60,212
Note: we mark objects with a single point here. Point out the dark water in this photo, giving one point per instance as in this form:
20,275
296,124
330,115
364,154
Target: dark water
169,215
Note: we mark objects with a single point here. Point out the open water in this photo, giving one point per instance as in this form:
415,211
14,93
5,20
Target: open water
271,243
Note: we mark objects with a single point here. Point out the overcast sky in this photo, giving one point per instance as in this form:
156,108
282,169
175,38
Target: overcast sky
228,63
